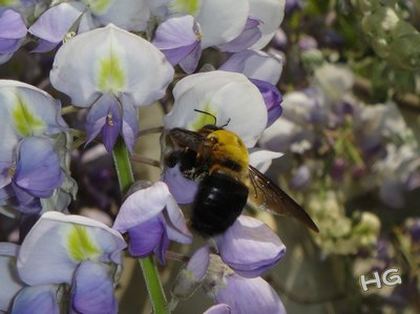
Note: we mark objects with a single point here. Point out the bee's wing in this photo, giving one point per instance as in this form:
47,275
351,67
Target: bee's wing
185,138
265,194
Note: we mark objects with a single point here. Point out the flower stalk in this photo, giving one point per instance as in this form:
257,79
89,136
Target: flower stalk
148,266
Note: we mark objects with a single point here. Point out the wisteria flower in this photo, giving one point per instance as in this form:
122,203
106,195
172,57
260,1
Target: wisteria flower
12,32
270,13
117,72
230,97
66,258
81,16
34,150
152,217
264,72
232,16
182,38
224,274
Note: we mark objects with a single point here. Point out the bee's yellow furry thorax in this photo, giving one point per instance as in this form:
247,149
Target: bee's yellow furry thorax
228,145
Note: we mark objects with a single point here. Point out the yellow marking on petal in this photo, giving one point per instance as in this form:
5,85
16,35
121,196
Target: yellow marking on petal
7,3
25,121
81,246
190,7
111,74
203,119
98,6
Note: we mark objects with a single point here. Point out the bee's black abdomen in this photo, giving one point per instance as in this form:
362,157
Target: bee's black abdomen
219,201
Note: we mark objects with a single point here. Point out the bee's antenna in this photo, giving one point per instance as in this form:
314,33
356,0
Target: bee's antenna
209,114
226,124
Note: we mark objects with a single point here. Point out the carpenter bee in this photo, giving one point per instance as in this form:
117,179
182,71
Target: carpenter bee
218,159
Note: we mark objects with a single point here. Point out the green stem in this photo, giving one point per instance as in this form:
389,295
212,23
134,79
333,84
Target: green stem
148,266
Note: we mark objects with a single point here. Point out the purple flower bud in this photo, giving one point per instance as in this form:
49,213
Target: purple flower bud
12,32
249,296
272,98
250,247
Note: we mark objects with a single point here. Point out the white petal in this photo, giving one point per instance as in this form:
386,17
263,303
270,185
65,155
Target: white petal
30,110
256,65
271,13
57,243
227,95
261,159
110,60
221,20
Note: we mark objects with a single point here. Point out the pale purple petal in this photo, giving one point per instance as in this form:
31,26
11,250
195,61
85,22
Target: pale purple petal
44,46
104,117
112,127
58,243
130,123
141,206
12,25
149,237
56,22
6,57
177,226
191,277
10,283
249,36
272,98
199,263
219,309
177,37
190,62
37,299
255,65
250,296
93,289
38,168
250,247
9,45
181,188
26,203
